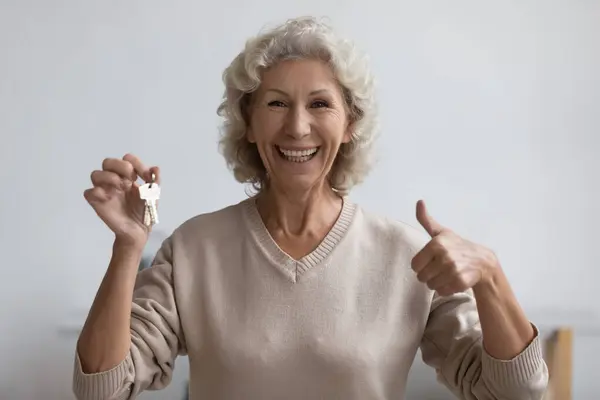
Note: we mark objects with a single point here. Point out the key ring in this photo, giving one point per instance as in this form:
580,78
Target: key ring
153,179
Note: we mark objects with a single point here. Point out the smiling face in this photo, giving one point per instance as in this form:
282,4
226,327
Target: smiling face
298,121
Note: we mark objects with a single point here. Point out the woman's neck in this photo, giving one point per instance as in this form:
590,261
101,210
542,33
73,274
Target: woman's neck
290,215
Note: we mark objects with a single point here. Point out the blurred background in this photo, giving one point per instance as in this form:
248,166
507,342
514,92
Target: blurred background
489,110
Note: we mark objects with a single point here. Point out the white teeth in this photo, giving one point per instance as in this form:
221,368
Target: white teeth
298,156
299,153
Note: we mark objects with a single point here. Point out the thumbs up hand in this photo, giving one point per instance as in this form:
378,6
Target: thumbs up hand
450,264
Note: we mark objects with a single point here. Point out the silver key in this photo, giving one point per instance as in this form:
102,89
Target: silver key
150,193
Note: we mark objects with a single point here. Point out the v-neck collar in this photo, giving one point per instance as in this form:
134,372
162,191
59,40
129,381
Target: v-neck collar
291,267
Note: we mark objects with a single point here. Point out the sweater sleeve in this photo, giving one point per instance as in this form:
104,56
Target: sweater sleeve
452,344
156,339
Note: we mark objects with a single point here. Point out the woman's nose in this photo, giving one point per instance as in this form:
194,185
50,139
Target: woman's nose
298,123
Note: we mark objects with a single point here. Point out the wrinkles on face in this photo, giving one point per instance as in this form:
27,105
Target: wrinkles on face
298,107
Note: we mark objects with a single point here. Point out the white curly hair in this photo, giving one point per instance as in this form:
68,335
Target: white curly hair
300,38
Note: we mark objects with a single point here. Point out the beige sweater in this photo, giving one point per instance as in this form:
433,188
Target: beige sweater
344,322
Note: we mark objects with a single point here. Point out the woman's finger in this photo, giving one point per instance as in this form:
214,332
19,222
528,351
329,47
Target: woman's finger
424,257
138,166
430,271
106,179
95,195
439,281
123,168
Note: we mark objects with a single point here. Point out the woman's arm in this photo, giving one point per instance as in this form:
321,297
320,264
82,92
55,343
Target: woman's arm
105,338
450,264
133,333
477,336
453,344
506,330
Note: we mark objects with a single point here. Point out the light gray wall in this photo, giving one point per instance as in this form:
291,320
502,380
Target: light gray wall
490,111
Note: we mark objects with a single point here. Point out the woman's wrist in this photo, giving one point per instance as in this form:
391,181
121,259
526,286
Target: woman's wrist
128,246
127,253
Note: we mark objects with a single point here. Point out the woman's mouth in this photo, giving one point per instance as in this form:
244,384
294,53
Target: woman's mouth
297,156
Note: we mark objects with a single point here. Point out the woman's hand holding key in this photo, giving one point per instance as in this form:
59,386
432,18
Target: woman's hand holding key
116,199
105,338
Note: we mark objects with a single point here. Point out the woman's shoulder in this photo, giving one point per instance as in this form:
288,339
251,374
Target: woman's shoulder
386,229
225,222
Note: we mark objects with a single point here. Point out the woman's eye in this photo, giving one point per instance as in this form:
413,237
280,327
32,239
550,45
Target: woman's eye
319,104
276,103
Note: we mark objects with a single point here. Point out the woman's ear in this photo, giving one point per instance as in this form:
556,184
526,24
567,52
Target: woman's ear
250,135
348,134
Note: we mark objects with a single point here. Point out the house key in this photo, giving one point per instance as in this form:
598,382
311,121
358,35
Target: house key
150,193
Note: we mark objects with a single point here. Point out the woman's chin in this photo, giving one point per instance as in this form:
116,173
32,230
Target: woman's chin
297,176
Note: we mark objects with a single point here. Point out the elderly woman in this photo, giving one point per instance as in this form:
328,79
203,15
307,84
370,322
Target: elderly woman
297,292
